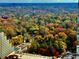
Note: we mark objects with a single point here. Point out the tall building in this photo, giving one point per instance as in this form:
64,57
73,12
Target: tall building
5,46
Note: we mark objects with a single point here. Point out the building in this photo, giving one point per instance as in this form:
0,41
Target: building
5,46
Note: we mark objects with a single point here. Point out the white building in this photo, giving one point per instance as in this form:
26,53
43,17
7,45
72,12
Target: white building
5,46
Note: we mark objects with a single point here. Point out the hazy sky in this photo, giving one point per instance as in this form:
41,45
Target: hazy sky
36,1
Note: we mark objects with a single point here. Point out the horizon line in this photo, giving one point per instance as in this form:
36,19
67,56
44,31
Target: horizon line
46,2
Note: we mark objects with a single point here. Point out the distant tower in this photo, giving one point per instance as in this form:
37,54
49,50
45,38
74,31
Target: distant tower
5,46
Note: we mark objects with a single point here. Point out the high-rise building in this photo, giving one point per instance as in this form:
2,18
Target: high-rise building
5,46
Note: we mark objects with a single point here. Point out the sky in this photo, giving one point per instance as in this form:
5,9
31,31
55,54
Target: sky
38,1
